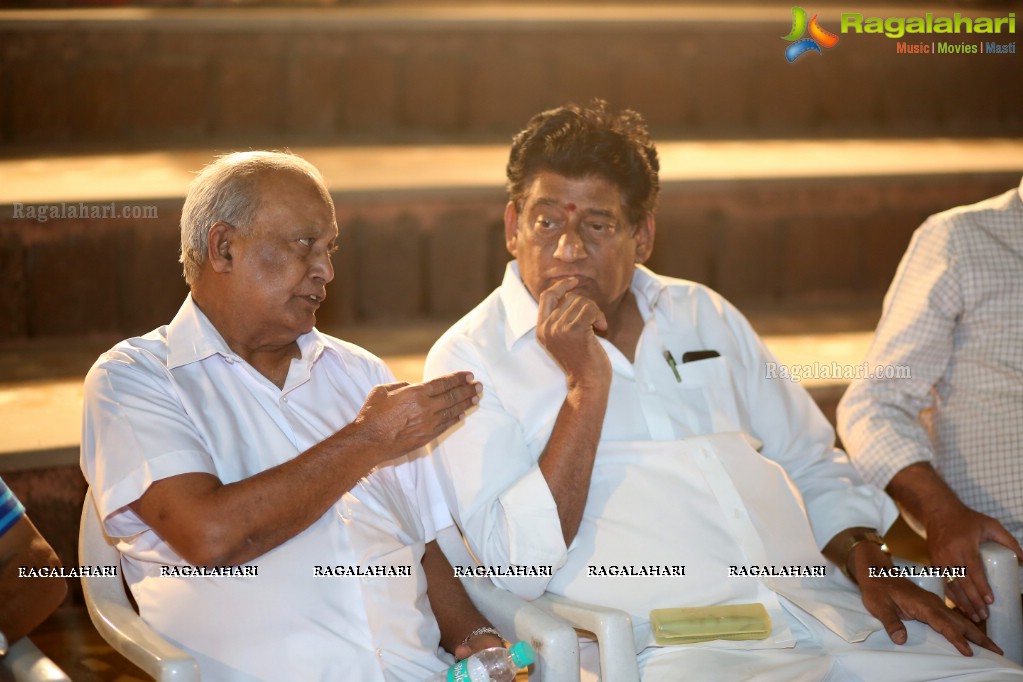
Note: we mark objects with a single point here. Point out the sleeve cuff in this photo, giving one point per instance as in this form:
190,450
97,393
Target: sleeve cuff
131,487
863,506
533,525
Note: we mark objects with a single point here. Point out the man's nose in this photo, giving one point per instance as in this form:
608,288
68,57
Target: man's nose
570,245
324,268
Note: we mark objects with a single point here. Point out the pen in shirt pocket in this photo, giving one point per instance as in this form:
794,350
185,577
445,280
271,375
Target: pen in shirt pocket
674,367
688,356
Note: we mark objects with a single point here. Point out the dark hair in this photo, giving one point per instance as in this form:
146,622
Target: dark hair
578,142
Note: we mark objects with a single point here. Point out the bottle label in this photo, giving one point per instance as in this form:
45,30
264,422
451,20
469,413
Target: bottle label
459,672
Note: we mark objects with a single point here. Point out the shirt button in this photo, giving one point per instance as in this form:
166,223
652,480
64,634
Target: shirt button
285,399
380,653
230,360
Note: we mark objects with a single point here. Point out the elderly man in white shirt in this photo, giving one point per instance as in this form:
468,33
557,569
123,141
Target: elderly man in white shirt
260,476
946,442
631,439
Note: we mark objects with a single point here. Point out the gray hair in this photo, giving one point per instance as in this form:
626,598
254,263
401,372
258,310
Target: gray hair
227,190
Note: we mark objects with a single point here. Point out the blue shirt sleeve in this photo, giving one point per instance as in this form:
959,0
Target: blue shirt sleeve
10,508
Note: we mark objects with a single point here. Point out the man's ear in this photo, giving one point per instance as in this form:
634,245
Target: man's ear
645,238
218,244
511,228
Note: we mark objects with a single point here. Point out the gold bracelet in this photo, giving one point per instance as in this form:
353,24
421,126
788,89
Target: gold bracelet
857,538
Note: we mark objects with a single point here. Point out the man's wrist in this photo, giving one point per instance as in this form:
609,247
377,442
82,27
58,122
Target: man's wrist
864,550
921,491
485,630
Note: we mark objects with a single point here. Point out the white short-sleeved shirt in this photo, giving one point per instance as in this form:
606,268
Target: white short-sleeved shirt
677,479
178,400
951,341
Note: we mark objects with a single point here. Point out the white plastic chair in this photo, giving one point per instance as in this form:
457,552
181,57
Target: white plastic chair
555,640
113,615
24,662
549,624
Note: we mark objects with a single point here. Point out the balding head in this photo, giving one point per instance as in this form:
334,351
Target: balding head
228,190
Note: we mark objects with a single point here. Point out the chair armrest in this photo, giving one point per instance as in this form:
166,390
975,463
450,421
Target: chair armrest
1005,622
131,637
554,640
612,627
24,662
115,618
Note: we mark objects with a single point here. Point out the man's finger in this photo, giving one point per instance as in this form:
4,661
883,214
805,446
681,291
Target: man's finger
980,639
585,311
893,625
956,592
459,407
953,627
975,588
1003,537
443,384
551,298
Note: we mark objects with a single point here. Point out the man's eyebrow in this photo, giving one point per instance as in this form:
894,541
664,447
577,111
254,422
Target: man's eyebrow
545,201
606,213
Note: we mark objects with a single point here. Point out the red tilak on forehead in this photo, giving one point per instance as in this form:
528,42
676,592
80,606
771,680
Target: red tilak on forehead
570,206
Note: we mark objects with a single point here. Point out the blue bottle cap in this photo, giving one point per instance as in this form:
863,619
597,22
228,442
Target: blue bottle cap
522,654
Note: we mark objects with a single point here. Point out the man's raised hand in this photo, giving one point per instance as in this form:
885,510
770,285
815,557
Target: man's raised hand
402,417
566,327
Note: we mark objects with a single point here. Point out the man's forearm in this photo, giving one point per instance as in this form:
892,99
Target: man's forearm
456,615
26,602
922,492
567,460
208,522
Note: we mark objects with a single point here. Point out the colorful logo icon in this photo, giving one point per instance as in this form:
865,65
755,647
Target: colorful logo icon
818,36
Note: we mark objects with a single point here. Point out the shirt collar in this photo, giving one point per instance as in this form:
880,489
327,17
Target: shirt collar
522,309
191,337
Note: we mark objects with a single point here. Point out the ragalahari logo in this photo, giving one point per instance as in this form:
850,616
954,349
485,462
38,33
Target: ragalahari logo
800,45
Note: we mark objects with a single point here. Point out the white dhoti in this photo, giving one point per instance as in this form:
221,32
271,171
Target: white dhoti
713,505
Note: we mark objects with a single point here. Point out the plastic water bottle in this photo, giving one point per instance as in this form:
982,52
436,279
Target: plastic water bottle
495,664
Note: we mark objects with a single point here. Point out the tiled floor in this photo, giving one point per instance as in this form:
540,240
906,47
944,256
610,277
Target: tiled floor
71,641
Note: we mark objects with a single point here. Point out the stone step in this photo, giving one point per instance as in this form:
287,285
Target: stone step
768,222
273,77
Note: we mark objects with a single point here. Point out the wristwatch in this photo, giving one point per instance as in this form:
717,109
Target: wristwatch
857,538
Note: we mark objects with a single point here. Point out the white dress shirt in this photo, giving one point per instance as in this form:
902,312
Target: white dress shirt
676,479
954,317
178,400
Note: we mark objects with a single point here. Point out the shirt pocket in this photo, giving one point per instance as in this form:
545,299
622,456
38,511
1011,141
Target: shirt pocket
709,394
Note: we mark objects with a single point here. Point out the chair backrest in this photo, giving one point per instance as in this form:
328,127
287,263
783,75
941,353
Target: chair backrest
113,615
